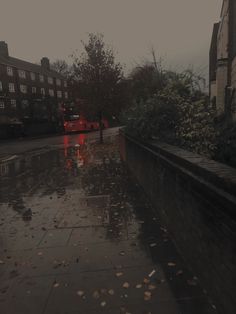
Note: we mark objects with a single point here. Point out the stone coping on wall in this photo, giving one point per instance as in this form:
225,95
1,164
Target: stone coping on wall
217,177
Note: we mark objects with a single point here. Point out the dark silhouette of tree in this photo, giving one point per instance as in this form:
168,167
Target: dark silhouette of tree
100,79
63,68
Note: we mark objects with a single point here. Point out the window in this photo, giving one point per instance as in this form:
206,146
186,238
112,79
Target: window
66,95
23,89
65,83
9,71
22,74
24,104
58,82
42,90
11,88
34,90
50,80
41,78
13,103
32,75
51,92
2,104
0,86
59,94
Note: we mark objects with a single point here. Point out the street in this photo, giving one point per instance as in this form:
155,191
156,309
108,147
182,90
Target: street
78,235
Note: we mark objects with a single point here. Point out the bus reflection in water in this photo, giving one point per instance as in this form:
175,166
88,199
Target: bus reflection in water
74,158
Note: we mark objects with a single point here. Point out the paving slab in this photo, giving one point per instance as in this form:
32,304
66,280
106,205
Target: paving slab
79,236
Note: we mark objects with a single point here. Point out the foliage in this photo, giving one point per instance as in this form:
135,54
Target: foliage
155,117
145,81
63,68
100,76
171,107
196,129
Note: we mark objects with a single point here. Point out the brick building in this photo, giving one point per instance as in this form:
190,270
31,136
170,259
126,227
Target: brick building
29,92
223,61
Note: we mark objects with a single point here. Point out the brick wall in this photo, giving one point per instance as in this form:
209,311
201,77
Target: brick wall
196,199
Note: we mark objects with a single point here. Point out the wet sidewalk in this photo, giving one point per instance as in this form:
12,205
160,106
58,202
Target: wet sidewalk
78,236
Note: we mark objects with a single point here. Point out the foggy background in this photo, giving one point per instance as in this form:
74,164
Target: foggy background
178,30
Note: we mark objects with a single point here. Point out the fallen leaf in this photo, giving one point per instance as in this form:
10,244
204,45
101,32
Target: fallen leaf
153,244
80,293
147,295
96,294
152,273
56,285
139,286
151,287
122,253
146,281
111,292
214,307
103,303
119,274
164,229
126,285
2,262
170,264
40,253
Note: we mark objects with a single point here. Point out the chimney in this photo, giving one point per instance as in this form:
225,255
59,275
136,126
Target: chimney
45,63
4,49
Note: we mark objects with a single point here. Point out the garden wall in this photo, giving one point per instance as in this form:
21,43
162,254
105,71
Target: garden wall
196,199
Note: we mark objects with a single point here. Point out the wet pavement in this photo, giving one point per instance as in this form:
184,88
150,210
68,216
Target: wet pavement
78,236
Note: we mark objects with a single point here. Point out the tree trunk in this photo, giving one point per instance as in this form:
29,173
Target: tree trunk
100,127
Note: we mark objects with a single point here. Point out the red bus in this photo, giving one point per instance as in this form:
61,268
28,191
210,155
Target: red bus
74,121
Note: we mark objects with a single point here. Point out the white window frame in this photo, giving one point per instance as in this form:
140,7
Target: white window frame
22,74
32,76
23,89
41,78
13,103
42,91
58,82
34,90
51,92
2,104
59,94
11,87
25,103
9,71
66,95
1,87
50,80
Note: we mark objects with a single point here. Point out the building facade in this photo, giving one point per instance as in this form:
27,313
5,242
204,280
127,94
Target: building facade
223,62
29,92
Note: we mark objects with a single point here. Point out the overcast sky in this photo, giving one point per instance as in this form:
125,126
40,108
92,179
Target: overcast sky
179,30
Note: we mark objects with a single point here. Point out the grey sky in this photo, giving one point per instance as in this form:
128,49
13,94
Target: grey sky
179,30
